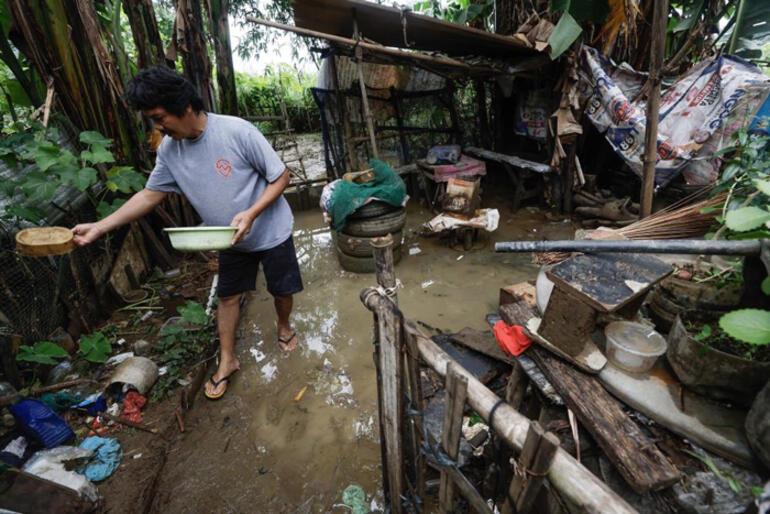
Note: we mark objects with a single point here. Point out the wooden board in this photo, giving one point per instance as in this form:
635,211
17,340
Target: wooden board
513,293
23,492
607,282
481,366
635,456
482,342
590,359
516,162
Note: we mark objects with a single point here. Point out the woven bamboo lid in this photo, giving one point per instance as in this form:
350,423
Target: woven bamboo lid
44,241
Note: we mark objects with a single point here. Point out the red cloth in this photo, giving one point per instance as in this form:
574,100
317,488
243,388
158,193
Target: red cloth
511,338
132,406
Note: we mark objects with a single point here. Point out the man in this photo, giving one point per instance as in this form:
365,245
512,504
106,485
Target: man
231,175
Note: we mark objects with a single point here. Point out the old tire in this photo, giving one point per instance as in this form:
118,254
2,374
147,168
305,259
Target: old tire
379,226
362,264
372,210
361,246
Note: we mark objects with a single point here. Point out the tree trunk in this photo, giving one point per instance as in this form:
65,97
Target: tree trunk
189,39
64,41
144,27
220,31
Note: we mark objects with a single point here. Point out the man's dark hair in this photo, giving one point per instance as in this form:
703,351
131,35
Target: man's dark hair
160,86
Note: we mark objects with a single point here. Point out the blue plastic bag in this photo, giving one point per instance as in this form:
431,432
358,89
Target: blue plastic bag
37,420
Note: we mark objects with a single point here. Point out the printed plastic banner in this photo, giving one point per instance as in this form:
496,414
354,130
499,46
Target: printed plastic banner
698,113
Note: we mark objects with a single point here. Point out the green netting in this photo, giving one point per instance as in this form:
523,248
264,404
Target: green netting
348,196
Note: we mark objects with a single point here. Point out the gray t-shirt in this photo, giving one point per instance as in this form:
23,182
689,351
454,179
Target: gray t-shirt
223,172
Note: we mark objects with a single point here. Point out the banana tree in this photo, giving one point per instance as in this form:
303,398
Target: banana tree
220,31
63,39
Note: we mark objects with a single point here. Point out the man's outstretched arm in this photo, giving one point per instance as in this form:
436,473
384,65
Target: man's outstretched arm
140,204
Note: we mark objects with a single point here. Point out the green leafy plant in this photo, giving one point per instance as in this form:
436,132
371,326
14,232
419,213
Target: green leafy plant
42,352
95,347
746,215
44,167
181,343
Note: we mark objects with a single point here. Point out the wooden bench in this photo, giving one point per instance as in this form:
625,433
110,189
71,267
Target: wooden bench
527,176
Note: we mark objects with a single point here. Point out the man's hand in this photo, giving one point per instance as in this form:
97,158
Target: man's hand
243,220
87,233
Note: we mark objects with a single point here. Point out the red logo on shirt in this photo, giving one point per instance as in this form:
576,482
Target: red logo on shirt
224,167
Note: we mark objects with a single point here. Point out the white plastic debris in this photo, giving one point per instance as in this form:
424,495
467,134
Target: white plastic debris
460,257
415,250
427,284
49,464
117,359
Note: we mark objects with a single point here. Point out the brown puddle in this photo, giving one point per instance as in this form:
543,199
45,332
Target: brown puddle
259,450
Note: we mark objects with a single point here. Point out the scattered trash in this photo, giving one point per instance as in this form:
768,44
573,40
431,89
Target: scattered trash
147,315
139,372
354,497
119,358
141,347
60,400
427,284
59,372
511,338
16,450
415,250
162,370
300,394
38,421
137,456
460,257
107,455
132,406
93,405
487,219
49,464
172,273
121,341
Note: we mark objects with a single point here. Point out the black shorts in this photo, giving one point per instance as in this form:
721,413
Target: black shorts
238,270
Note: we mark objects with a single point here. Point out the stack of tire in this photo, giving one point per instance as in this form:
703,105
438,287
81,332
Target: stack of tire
353,242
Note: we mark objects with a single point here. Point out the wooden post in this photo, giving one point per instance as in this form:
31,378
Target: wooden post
534,462
364,98
412,356
396,99
517,385
456,393
657,48
453,113
347,133
383,262
389,333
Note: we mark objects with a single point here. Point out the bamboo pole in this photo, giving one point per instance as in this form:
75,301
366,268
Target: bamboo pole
416,56
365,103
657,49
569,477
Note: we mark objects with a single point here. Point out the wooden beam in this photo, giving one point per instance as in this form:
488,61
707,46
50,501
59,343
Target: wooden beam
534,462
456,392
516,162
657,50
582,488
635,456
365,103
384,265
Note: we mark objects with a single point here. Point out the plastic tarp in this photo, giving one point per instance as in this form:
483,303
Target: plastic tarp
346,197
698,113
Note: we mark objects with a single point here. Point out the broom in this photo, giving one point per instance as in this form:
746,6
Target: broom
680,220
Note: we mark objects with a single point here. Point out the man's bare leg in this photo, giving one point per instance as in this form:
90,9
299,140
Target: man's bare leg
228,312
283,306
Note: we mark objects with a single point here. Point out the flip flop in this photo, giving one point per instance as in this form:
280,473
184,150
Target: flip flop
282,341
216,383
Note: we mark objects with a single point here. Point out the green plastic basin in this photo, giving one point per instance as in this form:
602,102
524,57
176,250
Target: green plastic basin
196,239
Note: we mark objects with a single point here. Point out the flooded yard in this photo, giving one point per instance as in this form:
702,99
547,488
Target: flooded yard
293,431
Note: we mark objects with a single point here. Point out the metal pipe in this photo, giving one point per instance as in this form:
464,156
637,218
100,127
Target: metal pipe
675,246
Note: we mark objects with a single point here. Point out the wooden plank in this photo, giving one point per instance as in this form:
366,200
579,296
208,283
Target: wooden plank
412,356
636,457
515,292
524,463
457,392
517,386
516,162
549,443
390,368
482,342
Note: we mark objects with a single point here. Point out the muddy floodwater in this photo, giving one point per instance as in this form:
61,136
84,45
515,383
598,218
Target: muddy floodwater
294,430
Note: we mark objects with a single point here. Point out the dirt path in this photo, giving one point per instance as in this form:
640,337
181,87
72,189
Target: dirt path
259,450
